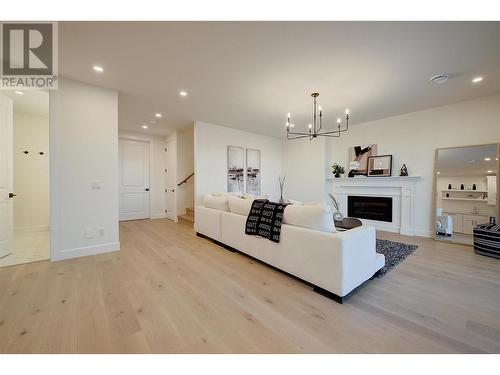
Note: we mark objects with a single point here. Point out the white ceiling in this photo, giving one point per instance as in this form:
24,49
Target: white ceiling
467,161
32,102
248,75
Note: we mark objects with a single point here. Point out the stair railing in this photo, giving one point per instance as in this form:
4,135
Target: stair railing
186,179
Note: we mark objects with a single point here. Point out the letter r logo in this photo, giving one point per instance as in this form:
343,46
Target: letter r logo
27,48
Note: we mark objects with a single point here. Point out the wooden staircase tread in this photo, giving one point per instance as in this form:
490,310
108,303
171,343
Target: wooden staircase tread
187,218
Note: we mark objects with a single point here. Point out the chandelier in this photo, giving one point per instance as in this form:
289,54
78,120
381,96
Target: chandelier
317,124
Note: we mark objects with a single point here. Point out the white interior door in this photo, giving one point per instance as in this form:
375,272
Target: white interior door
6,177
170,179
134,179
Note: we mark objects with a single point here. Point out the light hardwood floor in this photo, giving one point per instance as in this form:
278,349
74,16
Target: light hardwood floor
168,291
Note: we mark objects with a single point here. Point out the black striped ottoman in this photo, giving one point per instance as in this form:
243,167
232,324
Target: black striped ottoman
487,240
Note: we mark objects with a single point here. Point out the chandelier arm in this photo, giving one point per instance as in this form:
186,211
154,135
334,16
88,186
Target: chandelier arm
298,133
296,137
331,135
329,132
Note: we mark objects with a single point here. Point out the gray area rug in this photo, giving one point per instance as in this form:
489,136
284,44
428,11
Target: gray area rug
394,252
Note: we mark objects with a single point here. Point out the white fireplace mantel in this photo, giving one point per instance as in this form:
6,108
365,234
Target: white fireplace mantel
401,189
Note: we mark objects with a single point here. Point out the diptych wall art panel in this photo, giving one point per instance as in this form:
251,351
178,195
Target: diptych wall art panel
253,172
235,169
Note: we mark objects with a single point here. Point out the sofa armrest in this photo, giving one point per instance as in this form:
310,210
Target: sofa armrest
207,221
360,261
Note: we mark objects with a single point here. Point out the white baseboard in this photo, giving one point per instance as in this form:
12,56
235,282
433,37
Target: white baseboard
424,233
85,251
158,216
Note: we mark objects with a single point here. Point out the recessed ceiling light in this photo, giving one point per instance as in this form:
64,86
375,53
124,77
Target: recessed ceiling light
439,173
183,93
439,79
477,79
98,68
490,171
145,126
19,92
158,115
487,159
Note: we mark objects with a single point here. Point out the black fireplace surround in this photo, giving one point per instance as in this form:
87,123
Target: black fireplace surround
371,208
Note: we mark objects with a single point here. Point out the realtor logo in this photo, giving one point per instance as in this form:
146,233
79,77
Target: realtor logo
29,55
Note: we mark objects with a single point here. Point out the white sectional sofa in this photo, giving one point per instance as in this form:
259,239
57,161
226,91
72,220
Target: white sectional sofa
335,263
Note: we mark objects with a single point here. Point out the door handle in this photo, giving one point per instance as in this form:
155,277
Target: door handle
12,195
147,189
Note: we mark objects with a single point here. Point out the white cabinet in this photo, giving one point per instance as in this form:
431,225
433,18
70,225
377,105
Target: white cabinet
457,221
466,223
482,220
491,182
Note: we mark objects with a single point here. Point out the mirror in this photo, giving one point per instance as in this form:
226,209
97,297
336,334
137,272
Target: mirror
466,188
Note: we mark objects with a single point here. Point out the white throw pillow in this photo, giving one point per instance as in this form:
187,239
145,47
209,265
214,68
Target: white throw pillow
216,202
239,205
318,217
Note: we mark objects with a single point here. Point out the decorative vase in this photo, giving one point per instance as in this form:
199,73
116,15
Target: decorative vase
474,187
281,201
449,186
337,175
447,195
462,187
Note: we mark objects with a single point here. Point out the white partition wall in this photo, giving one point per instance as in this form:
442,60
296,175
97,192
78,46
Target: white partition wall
83,170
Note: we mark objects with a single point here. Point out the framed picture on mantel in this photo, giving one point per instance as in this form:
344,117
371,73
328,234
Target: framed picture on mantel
380,166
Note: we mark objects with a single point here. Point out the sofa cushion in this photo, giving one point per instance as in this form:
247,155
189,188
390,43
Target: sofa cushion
216,202
318,217
225,194
253,197
240,206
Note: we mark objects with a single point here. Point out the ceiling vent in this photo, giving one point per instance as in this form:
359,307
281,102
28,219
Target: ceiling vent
439,79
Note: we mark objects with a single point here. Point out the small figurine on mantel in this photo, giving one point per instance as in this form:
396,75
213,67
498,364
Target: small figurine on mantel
404,171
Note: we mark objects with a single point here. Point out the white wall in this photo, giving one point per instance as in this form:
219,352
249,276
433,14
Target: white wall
304,167
31,172
185,166
156,170
412,139
83,170
210,158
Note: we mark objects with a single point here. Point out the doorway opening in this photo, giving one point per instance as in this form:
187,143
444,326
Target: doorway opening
25,175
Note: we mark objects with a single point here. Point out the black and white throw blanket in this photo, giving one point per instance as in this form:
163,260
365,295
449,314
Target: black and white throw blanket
265,219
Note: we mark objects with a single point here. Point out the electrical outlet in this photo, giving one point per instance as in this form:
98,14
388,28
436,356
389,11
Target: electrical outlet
89,233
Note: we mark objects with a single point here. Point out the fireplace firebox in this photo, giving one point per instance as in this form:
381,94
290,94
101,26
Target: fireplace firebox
371,208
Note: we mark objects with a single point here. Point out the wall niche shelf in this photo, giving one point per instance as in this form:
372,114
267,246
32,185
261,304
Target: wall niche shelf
465,199
463,191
